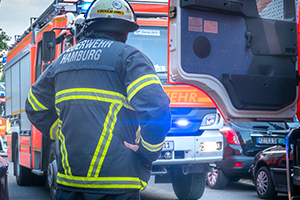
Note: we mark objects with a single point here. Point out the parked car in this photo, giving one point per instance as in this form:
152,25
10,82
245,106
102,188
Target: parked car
3,179
269,171
242,141
269,168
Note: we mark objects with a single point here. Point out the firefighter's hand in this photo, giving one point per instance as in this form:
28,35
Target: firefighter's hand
131,146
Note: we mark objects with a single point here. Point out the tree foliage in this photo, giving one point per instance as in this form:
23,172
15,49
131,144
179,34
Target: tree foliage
4,39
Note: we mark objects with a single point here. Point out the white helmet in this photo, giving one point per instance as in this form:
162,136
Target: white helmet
111,16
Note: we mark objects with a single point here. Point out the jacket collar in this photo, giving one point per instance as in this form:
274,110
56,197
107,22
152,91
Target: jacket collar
120,37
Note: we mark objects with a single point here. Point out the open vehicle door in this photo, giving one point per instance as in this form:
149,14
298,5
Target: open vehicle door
242,53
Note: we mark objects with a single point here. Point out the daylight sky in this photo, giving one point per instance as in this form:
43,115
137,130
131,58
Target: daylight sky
15,15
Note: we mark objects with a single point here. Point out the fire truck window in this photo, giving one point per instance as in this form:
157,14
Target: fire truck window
38,69
271,9
153,42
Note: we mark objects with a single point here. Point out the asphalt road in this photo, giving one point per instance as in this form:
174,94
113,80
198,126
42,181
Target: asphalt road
242,190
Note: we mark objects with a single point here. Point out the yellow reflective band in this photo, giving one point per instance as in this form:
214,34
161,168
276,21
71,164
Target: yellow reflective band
63,149
140,83
91,94
138,135
104,140
151,147
35,104
54,130
57,111
112,126
101,182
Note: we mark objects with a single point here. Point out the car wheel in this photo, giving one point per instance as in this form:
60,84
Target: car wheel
24,177
264,184
190,186
217,179
52,171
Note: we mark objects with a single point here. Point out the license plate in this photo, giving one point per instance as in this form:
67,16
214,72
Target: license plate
266,140
168,146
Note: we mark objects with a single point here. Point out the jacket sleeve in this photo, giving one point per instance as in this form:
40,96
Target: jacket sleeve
40,106
147,97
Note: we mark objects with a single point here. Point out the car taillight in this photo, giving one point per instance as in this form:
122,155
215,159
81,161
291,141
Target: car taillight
231,136
238,164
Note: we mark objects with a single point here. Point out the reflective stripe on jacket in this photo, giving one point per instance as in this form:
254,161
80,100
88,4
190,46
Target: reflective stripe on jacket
94,97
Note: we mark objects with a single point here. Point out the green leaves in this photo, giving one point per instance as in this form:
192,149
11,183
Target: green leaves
4,39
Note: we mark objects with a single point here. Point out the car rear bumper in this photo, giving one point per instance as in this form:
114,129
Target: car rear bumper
229,169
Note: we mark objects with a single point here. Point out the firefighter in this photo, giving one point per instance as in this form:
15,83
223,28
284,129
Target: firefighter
103,101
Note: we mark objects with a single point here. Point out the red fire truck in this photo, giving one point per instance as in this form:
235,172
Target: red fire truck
195,119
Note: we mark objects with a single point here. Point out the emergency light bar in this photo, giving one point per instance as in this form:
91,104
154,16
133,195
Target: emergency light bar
85,6
4,58
182,122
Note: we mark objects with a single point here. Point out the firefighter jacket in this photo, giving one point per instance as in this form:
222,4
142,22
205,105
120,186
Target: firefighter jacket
95,96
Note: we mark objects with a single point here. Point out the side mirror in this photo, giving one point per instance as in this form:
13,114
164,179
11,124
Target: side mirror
48,46
281,141
60,38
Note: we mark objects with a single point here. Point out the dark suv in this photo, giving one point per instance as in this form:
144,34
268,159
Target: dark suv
269,168
269,171
242,141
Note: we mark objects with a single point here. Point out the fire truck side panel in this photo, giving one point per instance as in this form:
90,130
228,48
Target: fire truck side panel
18,102
36,147
13,69
8,110
24,148
15,83
8,91
25,141
25,78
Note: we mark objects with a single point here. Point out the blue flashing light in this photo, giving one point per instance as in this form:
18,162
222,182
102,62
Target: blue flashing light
85,6
4,58
2,94
182,122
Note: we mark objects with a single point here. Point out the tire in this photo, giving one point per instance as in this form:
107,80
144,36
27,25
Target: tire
190,186
217,179
264,185
24,177
52,171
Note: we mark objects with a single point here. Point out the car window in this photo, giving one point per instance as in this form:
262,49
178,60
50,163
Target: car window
263,125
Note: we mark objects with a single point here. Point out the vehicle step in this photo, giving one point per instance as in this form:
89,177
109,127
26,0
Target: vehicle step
38,172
